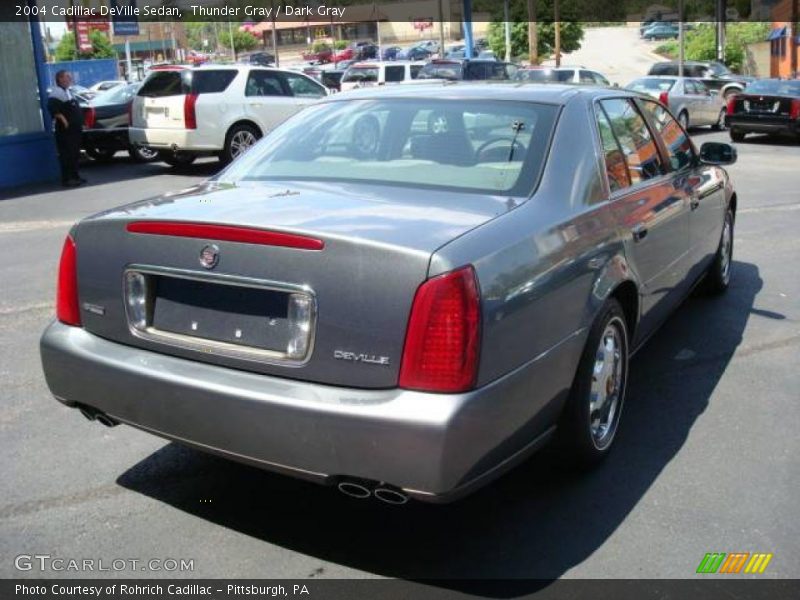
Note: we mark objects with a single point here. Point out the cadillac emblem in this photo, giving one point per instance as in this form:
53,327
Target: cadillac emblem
209,256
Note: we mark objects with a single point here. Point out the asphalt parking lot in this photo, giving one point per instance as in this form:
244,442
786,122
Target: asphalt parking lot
707,459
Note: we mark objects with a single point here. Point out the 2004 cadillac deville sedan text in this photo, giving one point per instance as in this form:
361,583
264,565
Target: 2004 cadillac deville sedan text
401,292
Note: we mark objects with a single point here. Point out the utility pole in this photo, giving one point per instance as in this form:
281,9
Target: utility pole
441,30
557,24
681,39
794,38
233,46
507,25
533,34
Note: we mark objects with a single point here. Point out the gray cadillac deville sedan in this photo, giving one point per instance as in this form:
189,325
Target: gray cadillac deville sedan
401,292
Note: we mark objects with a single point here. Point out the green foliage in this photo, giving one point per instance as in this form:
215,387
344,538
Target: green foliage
571,36
340,44
319,46
242,40
101,47
701,43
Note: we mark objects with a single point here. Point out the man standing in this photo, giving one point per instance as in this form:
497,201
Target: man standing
68,124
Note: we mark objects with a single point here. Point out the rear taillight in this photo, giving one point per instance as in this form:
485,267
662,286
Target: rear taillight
663,97
731,105
189,112
794,110
443,337
89,118
67,309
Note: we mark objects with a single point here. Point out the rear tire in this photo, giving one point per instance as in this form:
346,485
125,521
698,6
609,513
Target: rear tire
718,276
239,140
177,159
142,154
591,417
103,155
720,124
737,136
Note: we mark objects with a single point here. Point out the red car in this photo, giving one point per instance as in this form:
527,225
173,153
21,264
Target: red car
323,56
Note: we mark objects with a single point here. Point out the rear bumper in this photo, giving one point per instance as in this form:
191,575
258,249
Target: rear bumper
105,138
189,140
437,447
762,124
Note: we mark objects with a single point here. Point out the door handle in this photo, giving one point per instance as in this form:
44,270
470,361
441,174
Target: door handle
639,232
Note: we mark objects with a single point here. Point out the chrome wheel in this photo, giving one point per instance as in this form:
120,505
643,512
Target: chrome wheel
725,252
608,383
721,120
241,142
683,119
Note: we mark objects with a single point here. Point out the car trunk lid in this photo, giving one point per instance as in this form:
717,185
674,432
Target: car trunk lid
375,249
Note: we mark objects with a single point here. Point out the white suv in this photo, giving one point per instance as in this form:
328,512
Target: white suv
220,110
366,74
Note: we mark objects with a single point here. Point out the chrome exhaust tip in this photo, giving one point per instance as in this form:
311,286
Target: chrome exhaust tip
390,495
91,416
354,489
106,420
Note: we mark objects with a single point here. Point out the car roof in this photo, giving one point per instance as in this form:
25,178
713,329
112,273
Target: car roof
502,90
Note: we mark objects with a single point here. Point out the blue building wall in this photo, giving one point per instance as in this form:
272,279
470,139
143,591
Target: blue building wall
31,157
84,72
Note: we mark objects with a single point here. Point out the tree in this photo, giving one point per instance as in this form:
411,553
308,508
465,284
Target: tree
101,47
242,40
701,43
571,36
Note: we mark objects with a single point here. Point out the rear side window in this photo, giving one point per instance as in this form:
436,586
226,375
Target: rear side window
161,84
681,152
395,73
616,167
211,82
635,140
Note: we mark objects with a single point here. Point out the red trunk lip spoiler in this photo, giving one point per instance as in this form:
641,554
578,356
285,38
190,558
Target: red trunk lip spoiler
226,233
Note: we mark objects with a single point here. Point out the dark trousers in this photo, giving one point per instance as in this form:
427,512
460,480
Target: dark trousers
68,144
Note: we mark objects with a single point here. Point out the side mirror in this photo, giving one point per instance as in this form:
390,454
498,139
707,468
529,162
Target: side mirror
718,153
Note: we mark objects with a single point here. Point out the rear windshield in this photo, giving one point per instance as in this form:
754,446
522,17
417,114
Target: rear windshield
165,83
361,74
651,85
490,147
441,71
177,83
664,69
774,86
546,75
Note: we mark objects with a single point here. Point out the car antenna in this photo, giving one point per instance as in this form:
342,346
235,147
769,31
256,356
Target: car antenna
517,126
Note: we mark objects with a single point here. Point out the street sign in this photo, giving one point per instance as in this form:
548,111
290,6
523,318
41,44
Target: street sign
125,20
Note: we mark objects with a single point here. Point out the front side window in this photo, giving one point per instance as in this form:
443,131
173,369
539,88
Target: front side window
635,140
264,83
361,75
681,152
484,146
303,87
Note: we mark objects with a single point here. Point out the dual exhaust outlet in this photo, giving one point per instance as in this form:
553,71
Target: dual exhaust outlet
363,488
